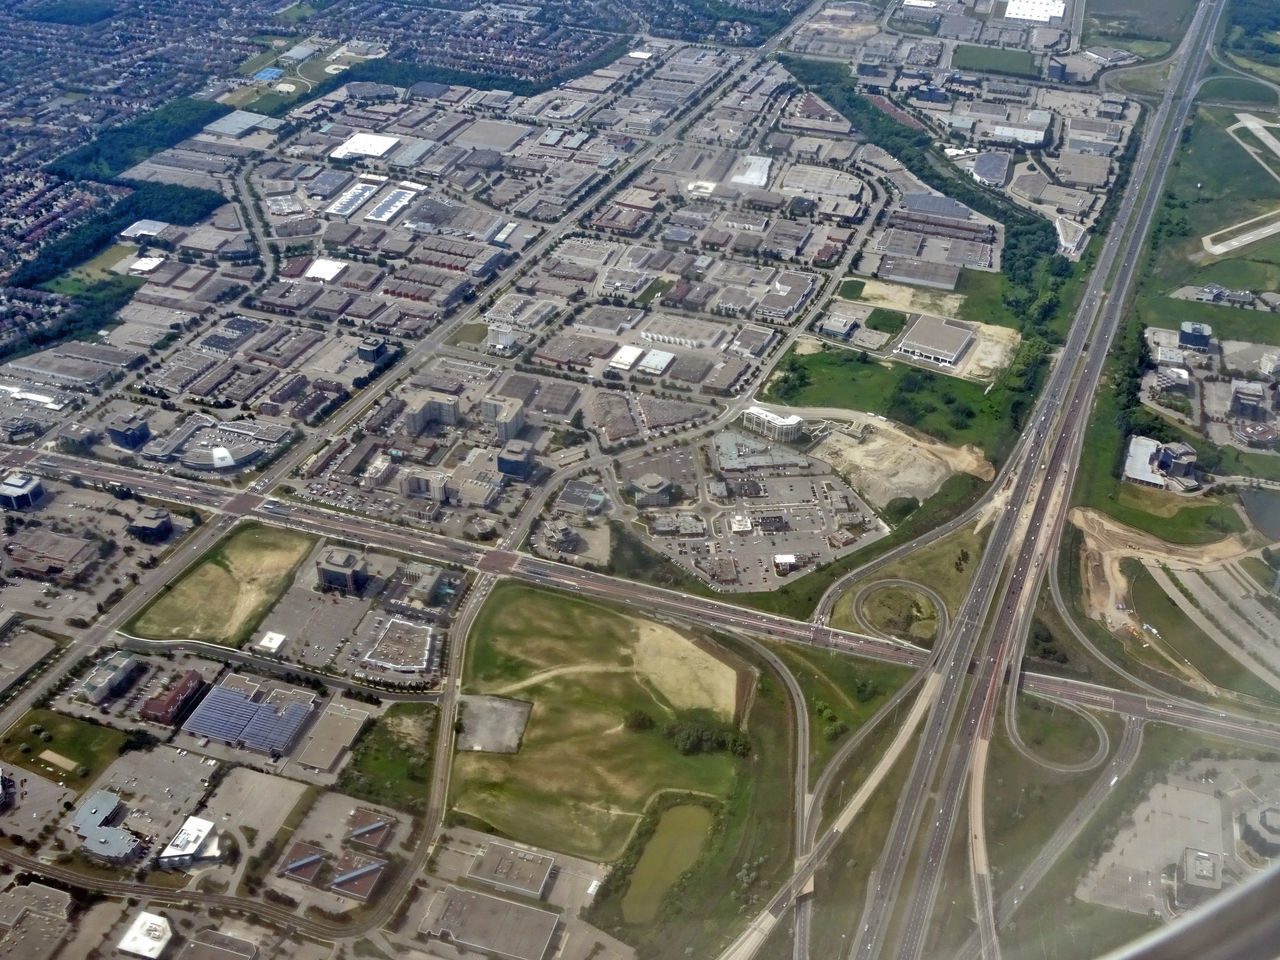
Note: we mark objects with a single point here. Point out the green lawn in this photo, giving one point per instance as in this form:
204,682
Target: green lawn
391,761
653,291
1054,732
851,288
86,748
1160,19
994,60
1238,90
1260,571
77,280
1184,639
745,856
952,410
887,321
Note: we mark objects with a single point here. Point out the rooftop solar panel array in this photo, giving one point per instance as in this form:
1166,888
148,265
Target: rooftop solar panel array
231,716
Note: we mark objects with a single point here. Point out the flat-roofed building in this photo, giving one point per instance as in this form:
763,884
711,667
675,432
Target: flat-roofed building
95,824
331,736
341,568
168,706
147,936
478,921
513,870
195,840
21,491
938,340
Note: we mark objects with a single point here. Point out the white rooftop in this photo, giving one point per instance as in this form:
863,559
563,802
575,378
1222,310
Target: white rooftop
775,418
324,269
271,641
147,936
145,264
1137,461
1037,11
189,838
626,357
364,145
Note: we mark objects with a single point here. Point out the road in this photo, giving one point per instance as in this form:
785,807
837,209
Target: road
946,755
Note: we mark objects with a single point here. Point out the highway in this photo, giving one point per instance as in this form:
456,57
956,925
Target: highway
1068,395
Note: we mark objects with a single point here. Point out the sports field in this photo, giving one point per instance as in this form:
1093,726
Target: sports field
226,593
582,776
63,749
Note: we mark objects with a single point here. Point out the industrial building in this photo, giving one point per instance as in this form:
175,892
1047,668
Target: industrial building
478,921
513,870
233,714
936,339
773,425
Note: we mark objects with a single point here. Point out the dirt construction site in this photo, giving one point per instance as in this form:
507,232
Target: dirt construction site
882,461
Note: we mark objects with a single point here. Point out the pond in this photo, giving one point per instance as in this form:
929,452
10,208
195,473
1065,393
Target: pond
673,849
1263,507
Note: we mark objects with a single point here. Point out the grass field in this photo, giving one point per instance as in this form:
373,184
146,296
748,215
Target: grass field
582,778
851,689
887,321
995,60
1261,573
1054,732
391,762
851,288
86,748
942,566
470,333
224,596
835,379
902,612
745,856
1238,90
81,278
1156,19
1186,640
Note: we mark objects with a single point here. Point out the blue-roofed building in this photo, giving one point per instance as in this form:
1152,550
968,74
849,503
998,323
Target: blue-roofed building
268,74
233,714
93,823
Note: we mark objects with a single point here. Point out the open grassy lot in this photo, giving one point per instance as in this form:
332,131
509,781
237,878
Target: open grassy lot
584,776
225,594
954,411
887,321
851,288
1111,21
63,749
79,279
1261,573
1186,640
902,612
995,60
1054,732
850,690
745,855
391,762
1238,90
945,566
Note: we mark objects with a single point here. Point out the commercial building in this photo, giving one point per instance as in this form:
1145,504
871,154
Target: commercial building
21,491
367,827
515,459
128,431
505,413
195,840
488,924
331,736
33,921
50,556
95,824
147,936
773,425
110,677
512,870
168,706
340,568
1195,336
936,339
232,713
